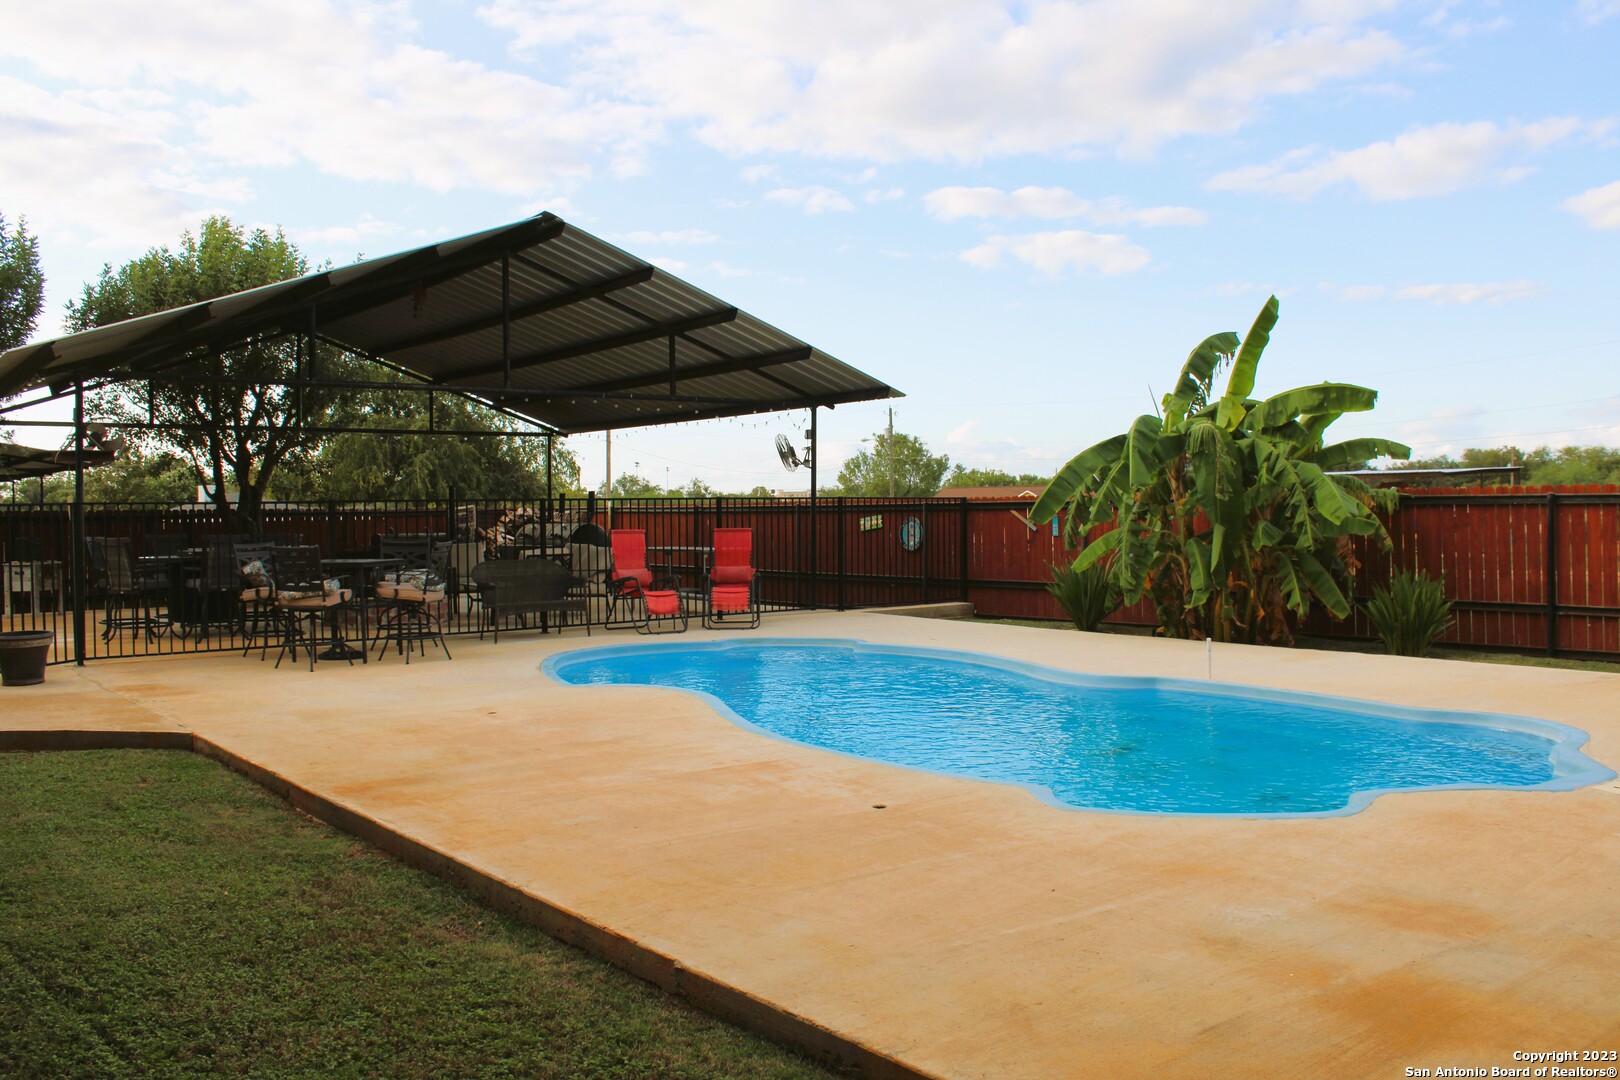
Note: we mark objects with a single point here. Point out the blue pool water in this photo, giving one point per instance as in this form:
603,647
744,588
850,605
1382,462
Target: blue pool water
1097,742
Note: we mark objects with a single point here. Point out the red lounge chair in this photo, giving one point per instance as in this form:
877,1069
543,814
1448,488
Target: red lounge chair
629,580
663,607
731,582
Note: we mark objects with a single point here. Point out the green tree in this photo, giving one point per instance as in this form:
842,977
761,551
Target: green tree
760,491
631,486
133,477
230,413
427,466
963,477
697,489
22,285
901,465
1221,508
1543,465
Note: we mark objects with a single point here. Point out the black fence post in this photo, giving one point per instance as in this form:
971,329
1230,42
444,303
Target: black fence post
1552,573
924,547
839,524
966,541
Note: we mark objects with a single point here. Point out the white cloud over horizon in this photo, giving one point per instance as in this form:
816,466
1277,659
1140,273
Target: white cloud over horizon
954,203
953,79
812,200
1066,251
1437,159
1489,292
1599,207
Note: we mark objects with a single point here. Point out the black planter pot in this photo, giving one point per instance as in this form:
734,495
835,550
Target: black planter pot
22,656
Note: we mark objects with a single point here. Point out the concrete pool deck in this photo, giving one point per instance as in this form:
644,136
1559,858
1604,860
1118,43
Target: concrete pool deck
967,929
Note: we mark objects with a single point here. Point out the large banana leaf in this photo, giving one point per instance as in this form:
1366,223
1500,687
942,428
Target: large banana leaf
1198,373
1107,542
1200,580
1322,584
1331,500
1240,384
1217,474
1354,451
1282,569
1073,477
1142,449
1280,408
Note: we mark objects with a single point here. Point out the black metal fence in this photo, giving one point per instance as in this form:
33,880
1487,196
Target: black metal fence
835,553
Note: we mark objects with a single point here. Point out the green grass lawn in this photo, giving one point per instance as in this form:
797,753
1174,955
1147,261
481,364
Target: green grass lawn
1440,652
162,916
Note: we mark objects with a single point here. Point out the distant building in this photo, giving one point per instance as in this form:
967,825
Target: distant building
1002,493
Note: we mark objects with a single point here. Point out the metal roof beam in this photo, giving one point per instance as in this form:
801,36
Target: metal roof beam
522,311
702,371
595,345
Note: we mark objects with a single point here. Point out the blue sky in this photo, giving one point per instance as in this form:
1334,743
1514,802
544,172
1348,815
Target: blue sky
1022,214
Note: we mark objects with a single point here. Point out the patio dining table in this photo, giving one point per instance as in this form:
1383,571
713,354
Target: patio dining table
358,574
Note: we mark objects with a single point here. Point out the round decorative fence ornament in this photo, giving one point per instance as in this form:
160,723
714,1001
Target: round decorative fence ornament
911,534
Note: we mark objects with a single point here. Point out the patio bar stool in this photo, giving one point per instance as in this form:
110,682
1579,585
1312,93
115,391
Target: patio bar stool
304,594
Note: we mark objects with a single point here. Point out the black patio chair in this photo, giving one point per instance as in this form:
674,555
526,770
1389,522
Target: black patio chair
112,571
411,595
256,564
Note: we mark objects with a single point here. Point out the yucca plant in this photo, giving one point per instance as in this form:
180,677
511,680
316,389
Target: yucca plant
1410,613
1086,596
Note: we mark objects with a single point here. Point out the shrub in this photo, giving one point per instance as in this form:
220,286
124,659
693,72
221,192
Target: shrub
1410,613
1087,596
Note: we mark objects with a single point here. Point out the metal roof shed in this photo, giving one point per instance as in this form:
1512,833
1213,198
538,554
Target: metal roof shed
549,322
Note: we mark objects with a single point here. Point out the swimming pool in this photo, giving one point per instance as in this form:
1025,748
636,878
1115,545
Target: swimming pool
1094,742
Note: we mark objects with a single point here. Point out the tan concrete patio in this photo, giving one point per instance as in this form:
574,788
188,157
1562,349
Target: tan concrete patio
967,930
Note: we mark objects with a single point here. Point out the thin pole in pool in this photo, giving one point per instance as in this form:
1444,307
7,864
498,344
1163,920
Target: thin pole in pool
1209,659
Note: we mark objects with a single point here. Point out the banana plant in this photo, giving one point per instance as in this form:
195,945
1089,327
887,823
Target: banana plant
1224,509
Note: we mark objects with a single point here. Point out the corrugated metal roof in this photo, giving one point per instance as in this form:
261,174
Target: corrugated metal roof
588,343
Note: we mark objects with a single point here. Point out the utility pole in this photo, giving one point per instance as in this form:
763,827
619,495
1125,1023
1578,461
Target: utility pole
891,451
607,485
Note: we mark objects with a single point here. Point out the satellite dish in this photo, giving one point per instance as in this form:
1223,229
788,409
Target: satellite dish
785,451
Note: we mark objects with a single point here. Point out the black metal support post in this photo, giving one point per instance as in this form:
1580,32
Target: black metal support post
506,317
815,455
551,449
77,562
1552,573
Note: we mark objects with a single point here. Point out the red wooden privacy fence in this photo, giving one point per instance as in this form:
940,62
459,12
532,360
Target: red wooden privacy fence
1528,568
1497,550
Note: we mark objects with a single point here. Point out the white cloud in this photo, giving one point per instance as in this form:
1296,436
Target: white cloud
1487,292
670,236
759,174
812,200
1595,11
1057,253
952,203
168,106
951,79
877,195
1599,207
1434,160
350,237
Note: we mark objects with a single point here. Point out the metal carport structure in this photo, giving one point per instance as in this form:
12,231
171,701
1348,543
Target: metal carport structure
538,319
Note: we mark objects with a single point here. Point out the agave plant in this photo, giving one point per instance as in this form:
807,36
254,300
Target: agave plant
1410,613
1221,508
1086,596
